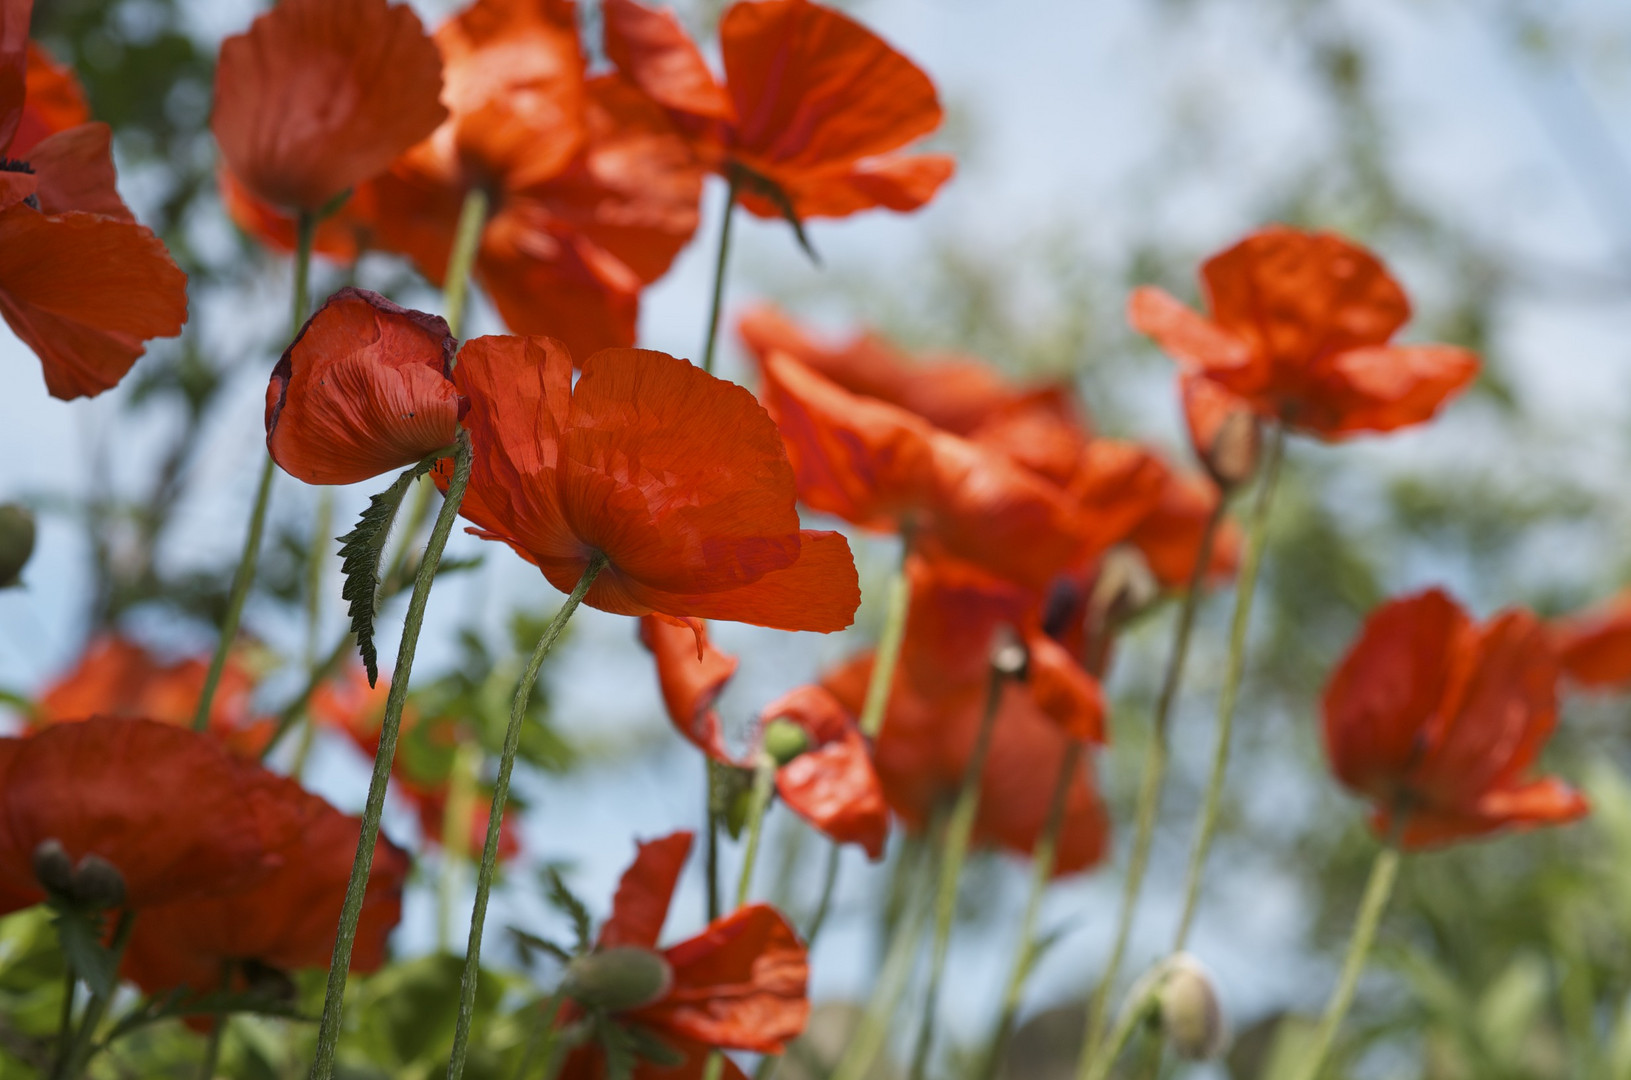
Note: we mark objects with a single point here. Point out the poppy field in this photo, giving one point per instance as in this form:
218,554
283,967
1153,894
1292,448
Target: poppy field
551,540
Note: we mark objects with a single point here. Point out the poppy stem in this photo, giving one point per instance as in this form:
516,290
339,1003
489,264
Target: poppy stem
457,815
212,1049
1043,861
829,885
1150,784
1245,587
1384,872
711,862
466,240
1136,1011
887,656
764,786
83,1048
718,304
328,1032
305,229
959,830
495,816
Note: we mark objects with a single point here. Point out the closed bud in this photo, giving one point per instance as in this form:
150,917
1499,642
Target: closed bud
1232,457
98,884
1191,1016
619,978
1124,586
16,543
53,869
784,740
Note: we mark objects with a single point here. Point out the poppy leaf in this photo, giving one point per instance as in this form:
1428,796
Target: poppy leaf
619,1049
361,550
177,1003
566,902
763,185
649,1047
529,943
81,937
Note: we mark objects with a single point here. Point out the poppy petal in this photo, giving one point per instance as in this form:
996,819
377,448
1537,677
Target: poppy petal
1387,388
1183,334
835,788
901,183
317,97
14,18
74,169
650,47
86,292
362,389
1063,690
1542,802
55,102
690,682
640,906
1594,646
1169,538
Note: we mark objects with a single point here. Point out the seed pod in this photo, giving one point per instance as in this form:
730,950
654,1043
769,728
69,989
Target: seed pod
53,869
618,978
784,740
1191,1016
98,884
16,543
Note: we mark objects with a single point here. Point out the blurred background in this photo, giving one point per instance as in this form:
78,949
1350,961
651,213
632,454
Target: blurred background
1484,149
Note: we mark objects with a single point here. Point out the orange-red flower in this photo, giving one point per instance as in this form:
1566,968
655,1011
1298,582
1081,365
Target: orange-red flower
1299,328
1169,536
831,784
591,193
286,921
1437,720
54,101
176,814
364,388
119,678
1594,646
812,107
738,985
677,479
317,97
81,283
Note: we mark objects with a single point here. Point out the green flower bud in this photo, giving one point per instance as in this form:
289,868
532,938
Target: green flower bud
784,740
1191,1016
53,869
619,978
16,543
98,884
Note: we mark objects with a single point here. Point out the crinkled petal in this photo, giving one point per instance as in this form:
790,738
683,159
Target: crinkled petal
74,171
641,905
691,672
651,48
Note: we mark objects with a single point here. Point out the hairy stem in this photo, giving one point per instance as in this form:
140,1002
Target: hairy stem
887,656
718,304
466,241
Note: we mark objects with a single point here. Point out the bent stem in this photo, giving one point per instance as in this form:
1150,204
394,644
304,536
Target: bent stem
328,1032
718,304
304,231
1244,589
1150,786
887,656
1384,872
1043,861
466,240
959,829
495,816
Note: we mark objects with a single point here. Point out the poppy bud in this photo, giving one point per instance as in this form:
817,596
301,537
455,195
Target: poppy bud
1008,657
97,884
1191,1017
784,740
16,542
1125,586
1232,457
53,869
618,978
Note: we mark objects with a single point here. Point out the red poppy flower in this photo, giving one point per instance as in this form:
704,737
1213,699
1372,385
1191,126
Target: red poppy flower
831,784
317,97
1299,328
175,813
591,191
287,920
119,678
883,468
81,283
738,985
54,101
421,769
1437,720
678,479
342,235
364,388
812,106
1594,646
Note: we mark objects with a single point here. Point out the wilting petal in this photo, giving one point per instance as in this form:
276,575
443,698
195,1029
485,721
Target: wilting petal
651,48
740,984
74,171
364,388
1594,647
691,674
318,97
641,905
1387,388
86,292
55,102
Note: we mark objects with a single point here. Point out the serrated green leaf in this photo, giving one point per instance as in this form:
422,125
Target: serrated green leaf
648,1047
81,937
619,1049
529,943
361,551
564,901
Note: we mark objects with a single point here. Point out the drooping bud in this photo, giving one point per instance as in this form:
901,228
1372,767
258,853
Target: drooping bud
1191,1015
53,869
98,884
619,978
1008,656
1124,587
16,543
1232,457
784,740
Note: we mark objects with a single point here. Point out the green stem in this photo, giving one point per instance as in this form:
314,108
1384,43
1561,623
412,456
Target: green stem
542,1042
959,830
718,305
321,528
1384,872
83,1048
1245,588
495,816
711,859
466,242
304,231
1151,781
829,885
65,1021
328,1032
212,1049
457,814
764,786
887,656
1043,861
1135,1013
